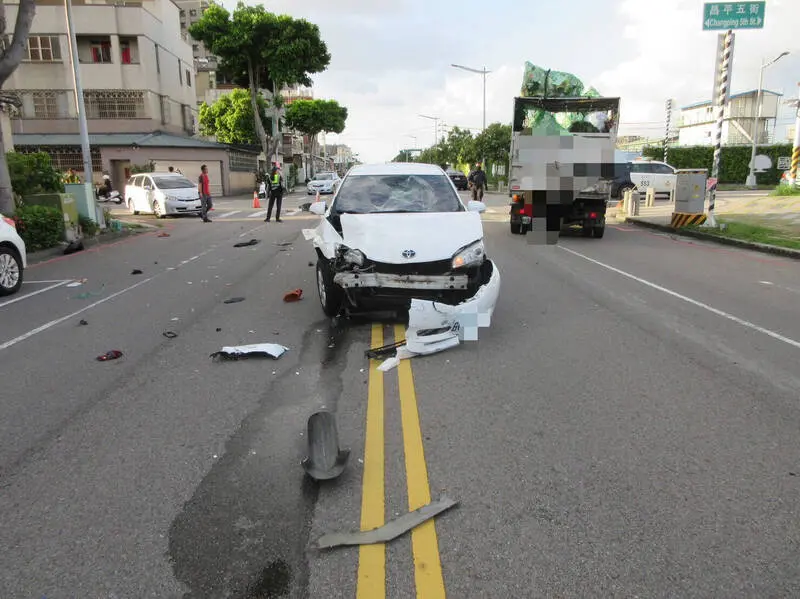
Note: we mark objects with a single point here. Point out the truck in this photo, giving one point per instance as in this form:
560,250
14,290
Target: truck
563,165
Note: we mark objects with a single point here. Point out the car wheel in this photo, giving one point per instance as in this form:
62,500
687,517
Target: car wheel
157,209
330,294
10,271
599,232
131,209
516,228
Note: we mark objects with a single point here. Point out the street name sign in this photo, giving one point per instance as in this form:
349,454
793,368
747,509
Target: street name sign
784,163
733,15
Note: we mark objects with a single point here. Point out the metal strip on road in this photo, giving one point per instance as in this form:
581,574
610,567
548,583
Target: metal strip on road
372,558
694,302
424,542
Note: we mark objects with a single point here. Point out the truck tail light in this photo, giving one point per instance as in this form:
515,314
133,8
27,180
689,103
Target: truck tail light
593,215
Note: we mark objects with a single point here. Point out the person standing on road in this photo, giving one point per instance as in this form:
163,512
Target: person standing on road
275,194
204,189
478,180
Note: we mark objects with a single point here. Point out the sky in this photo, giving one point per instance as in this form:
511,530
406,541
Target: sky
391,60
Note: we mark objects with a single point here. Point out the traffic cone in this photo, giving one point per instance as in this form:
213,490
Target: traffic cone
256,202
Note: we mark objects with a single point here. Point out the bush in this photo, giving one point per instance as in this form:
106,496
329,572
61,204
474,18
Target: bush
734,161
33,173
784,189
88,226
41,227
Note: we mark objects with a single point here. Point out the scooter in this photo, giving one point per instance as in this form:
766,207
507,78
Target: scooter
114,196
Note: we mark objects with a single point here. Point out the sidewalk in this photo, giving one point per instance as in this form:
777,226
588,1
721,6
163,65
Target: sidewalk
778,214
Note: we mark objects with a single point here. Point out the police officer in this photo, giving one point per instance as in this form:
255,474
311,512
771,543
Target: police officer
275,194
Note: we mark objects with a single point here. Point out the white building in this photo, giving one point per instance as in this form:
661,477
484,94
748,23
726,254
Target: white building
697,121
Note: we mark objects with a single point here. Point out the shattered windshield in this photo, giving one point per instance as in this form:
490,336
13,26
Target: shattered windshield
364,194
173,183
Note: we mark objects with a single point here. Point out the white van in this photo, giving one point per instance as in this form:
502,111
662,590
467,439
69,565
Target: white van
650,173
162,194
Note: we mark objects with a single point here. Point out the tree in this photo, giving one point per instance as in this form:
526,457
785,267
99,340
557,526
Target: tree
263,51
312,117
230,119
10,57
494,143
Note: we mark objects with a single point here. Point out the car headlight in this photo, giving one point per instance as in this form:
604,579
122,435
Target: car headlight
350,256
471,255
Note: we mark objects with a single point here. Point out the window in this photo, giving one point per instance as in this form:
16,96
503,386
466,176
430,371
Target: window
43,48
125,52
46,105
193,12
196,48
114,104
101,52
365,194
188,78
173,183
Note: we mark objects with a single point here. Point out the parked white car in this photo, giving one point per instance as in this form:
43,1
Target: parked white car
650,173
400,232
324,183
162,194
13,257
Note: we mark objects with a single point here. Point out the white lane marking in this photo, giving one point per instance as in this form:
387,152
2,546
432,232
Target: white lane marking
257,214
790,289
31,294
227,214
689,300
46,282
57,321
253,230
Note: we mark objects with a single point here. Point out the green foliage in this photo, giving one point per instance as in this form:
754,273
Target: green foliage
33,173
462,149
275,48
494,143
41,227
147,167
230,118
311,117
734,161
292,179
88,226
784,189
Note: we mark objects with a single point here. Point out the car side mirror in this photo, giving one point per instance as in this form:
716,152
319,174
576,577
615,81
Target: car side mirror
318,208
476,206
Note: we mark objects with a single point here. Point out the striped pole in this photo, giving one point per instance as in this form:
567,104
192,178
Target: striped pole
667,130
722,100
796,148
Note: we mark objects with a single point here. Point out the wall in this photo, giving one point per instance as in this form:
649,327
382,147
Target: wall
241,183
5,128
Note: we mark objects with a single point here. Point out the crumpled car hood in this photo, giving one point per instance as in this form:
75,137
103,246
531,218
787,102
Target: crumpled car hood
431,236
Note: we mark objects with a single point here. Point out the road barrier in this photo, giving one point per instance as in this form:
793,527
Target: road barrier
683,219
650,197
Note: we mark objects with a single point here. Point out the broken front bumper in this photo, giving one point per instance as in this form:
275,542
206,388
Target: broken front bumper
351,280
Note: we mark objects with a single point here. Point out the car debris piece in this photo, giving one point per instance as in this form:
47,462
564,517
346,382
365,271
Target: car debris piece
83,323
283,243
110,355
233,300
74,246
244,244
253,350
389,363
377,353
389,531
77,282
325,459
136,271
170,334
293,296
163,234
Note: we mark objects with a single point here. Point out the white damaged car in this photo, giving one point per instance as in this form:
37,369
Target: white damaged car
400,232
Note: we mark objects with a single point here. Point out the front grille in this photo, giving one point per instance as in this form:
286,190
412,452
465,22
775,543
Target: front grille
440,267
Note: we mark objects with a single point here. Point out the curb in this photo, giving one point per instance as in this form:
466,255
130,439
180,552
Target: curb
749,245
43,255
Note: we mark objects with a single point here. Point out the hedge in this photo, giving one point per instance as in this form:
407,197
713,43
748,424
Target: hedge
41,227
733,161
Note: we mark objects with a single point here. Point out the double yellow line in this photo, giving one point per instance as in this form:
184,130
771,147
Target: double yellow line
424,543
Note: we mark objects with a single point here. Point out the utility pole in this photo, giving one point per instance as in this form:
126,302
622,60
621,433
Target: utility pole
483,72
721,101
796,145
86,149
667,129
435,120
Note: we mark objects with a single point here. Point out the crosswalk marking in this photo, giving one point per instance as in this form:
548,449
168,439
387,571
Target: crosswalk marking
227,214
256,214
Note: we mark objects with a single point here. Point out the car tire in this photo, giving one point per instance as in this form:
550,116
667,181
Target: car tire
516,228
598,232
330,294
157,210
11,265
130,207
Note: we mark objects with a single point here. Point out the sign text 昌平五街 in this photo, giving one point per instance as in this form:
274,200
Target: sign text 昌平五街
733,15
784,163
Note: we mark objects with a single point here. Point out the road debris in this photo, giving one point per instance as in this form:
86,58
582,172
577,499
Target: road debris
283,243
293,296
77,282
110,355
388,532
254,350
163,234
136,271
325,459
233,300
170,334
74,246
244,244
83,323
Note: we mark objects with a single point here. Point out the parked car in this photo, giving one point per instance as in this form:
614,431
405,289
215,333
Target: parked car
324,183
458,178
622,181
162,194
13,257
650,173
396,232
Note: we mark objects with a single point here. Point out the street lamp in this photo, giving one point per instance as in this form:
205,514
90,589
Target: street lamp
482,72
751,177
408,152
435,120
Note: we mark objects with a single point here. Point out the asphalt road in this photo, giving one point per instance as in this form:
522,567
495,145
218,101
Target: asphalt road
627,426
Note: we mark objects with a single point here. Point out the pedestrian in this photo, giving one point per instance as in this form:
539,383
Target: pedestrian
204,189
275,194
478,180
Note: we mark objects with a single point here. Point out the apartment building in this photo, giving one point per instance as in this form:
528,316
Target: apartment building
138,75
697,121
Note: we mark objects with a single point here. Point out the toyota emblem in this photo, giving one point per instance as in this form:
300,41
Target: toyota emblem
409,254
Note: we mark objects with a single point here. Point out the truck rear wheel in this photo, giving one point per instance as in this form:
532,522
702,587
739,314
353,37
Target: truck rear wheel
599,232
516,228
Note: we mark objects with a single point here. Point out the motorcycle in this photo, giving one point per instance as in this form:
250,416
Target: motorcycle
104,196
